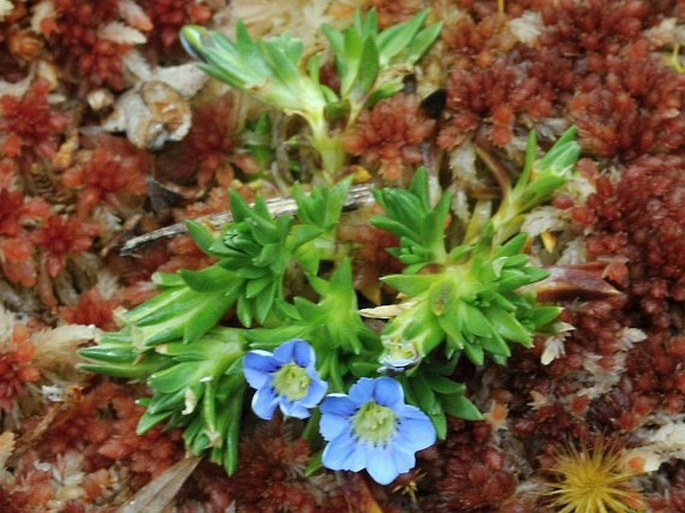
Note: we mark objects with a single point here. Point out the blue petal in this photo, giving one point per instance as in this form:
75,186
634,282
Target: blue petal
381,466
331,426
388,392
338,404
317,389
404,460
264,402
284,352
337,453
414,435
303,353
257,365
295,350
358,459
294,409
362,391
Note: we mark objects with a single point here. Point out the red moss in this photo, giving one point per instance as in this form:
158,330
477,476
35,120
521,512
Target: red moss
92,308
641,218
16,353
185,255
475,475
17,213
631,105
499,93
269,478
92,61
28,123
102,427
168,16
480,42
208,147
113,169
392,12
390,134
31,491
594,26
60,237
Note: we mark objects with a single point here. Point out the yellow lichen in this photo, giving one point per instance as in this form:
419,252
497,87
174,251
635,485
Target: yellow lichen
594,480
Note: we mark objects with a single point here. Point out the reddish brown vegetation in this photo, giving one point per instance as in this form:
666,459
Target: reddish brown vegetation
29,124
474,475
112,169
270,479
16,353
92,308
390,134
168,16
60,237
75,41
642,219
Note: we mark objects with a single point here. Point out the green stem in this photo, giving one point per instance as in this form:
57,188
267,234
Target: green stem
328,146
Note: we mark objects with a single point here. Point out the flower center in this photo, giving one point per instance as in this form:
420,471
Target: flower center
374,423
291,381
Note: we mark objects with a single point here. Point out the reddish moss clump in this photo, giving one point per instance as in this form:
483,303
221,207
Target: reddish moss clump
499,93
269,477
102,427
390,134
475,474
16,353
392,12
630,105
17,213
74,40
60,237
208,147
92,308
29,124
641,218
594,26
114,168
168,16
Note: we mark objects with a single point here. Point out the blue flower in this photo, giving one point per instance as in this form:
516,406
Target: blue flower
285,378
373,429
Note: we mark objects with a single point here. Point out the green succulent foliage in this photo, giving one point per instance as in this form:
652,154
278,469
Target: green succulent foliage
278,71
370,62
419,225
255,138
190,304
332,326
430,388
193,367
539,180
476,303
197,386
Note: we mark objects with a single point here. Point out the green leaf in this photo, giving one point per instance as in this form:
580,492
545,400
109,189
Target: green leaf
244,311
368,68
209,279
413,285
400,36
506,325
444,385
422,42
148,421
460,407
202,238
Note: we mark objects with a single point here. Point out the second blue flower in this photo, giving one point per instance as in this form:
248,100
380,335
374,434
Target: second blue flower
285,378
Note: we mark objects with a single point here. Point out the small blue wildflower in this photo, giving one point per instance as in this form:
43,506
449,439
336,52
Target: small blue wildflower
285,378
373,429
